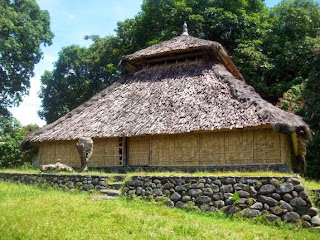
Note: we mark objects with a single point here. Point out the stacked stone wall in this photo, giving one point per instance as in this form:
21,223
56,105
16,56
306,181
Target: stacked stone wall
62,181
274,197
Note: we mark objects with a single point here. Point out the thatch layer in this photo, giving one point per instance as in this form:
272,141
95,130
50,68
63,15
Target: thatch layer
179,43
177,47
167,99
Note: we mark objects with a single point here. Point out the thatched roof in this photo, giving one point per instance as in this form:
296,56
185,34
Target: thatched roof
183,46
169,97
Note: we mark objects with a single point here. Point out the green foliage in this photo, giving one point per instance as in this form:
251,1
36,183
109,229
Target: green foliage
311,112
78,74
10,137
11,134
23,28
236,197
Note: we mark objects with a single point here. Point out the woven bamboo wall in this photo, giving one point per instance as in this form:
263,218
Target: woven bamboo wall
236,147
139,151
105,153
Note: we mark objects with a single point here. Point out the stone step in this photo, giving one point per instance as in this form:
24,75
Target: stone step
110,192
115,185
103,197
119,177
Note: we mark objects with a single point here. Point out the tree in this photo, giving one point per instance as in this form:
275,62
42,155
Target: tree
78,74
311,112
23,28
10,138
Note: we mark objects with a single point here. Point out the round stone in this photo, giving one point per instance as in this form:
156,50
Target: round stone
291,217
139,191
195,192
251,213
277,210
185,198
208,192
252,191
294,194
168,186
315,220
303,194
243,194
297,202
287,197
299,188
267,189
157,192
159,198
313,211
215,188
276,196
205,207
197,185
274,182
169,203
217,196
230,201
230,209
272,217
175,197
286,188
306,224
70,184
203,199
286,205
268,200
306,217
226,188
95,181
219,204
180,188
180,204
257,206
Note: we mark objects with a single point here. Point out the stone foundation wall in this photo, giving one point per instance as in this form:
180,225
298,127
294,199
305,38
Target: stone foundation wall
62,181
276,198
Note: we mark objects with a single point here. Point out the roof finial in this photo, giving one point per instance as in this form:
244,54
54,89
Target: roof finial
185,29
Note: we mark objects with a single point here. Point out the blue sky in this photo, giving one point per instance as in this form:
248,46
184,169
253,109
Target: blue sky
70,21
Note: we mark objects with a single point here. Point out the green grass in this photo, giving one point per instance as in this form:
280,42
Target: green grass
310,184
167,173
28,212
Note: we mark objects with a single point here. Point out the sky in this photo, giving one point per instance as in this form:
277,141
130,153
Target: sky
70,21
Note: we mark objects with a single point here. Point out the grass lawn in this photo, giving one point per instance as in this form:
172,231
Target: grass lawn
28,212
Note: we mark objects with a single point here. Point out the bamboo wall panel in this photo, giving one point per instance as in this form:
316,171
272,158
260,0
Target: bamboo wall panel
238,147
286,150
211,149
47,153
63,152
162,149
105,153
267,146
139,151
186,150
